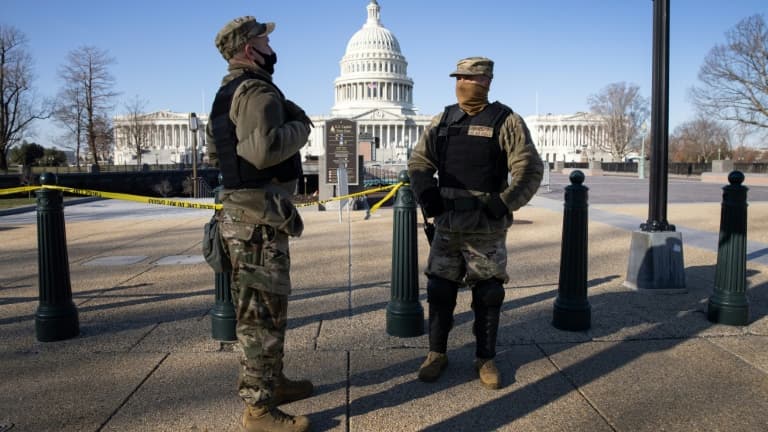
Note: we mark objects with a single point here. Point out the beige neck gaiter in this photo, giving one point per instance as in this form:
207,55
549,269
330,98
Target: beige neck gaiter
472,96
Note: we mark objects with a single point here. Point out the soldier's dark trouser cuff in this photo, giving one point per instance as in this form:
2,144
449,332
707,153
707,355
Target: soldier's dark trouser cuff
441,295
487,298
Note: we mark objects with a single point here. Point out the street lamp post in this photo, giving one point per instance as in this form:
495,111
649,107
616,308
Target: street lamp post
193,126
656,251
641,166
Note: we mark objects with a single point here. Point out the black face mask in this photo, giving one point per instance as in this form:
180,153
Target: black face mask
269,61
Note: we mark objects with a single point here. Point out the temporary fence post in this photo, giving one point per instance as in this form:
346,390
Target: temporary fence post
223,318
405,315
572,310
729,305
56,316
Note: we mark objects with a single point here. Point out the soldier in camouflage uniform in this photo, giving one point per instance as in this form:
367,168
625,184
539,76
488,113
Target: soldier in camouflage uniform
487,167
254,135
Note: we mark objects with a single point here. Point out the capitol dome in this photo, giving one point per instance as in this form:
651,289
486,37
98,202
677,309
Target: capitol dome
373,72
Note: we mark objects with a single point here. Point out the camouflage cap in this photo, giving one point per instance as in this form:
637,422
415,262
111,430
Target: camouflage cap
474,66
237,32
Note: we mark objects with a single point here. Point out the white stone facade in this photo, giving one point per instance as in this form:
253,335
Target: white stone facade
169,140
569,138
374,90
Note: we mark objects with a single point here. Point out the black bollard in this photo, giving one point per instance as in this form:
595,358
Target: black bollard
223,318
728,305
56,316
572,310
405,316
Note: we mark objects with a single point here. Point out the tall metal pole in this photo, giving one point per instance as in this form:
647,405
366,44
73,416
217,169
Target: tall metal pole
656,251
657,202
193,126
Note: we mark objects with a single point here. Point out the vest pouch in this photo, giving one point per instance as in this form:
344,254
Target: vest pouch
213,247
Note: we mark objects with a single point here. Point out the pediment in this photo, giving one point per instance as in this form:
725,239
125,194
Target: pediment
379,115
165,115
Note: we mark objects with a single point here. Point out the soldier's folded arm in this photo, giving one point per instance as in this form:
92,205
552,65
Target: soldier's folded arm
523,161
265,138
422,165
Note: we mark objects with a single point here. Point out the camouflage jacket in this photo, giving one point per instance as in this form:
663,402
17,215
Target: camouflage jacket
266,137
524,164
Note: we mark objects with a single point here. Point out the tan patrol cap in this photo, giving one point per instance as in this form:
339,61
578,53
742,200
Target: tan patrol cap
474,66
237,32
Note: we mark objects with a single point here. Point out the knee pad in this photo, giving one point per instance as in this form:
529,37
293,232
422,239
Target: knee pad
441,291
489,293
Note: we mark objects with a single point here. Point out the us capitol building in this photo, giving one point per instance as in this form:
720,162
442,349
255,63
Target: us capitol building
375,92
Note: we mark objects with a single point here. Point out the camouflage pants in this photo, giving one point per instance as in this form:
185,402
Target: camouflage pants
462,257
260,287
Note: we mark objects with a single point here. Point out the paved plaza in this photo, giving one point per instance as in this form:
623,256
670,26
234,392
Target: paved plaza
145,359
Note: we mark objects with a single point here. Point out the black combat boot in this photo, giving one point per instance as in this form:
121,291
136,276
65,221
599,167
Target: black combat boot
441,295
487,298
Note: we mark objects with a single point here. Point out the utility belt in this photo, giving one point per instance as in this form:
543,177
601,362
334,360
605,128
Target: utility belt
463,204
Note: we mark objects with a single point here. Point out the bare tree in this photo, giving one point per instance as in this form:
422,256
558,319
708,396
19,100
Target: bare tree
137,127
746,154
104,134
19,106
70,113
734,76
623,111
87,69
700,140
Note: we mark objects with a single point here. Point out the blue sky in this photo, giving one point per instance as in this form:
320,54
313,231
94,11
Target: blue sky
562,51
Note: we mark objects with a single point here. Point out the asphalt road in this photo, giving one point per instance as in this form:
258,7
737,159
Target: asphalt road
631,190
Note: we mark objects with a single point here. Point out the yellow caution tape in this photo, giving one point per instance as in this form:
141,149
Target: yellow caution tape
138,198
188,204
353,195
18,190
385,199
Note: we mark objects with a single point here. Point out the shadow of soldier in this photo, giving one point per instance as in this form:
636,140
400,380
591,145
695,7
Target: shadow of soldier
646,338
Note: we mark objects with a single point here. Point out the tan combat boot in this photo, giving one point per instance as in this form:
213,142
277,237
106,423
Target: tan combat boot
433,366
286,390
265,419
490,376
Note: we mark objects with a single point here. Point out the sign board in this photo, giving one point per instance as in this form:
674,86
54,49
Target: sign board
341,175
341,150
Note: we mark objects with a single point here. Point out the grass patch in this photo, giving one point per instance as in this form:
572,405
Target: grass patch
6,203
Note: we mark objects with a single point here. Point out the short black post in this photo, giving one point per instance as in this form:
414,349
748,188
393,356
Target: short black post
729,305
405,316
223,318
572,310
56,316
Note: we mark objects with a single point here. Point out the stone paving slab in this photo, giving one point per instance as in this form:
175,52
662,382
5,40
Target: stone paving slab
671,384
68,392
385,391
194,392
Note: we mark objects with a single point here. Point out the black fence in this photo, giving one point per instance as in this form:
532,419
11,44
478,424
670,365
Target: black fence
159,183
176,181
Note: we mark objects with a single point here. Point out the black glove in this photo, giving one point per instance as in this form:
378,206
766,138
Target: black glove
296,113
432,202
495,207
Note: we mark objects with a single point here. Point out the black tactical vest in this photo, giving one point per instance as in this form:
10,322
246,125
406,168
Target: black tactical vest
470,155
236,171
